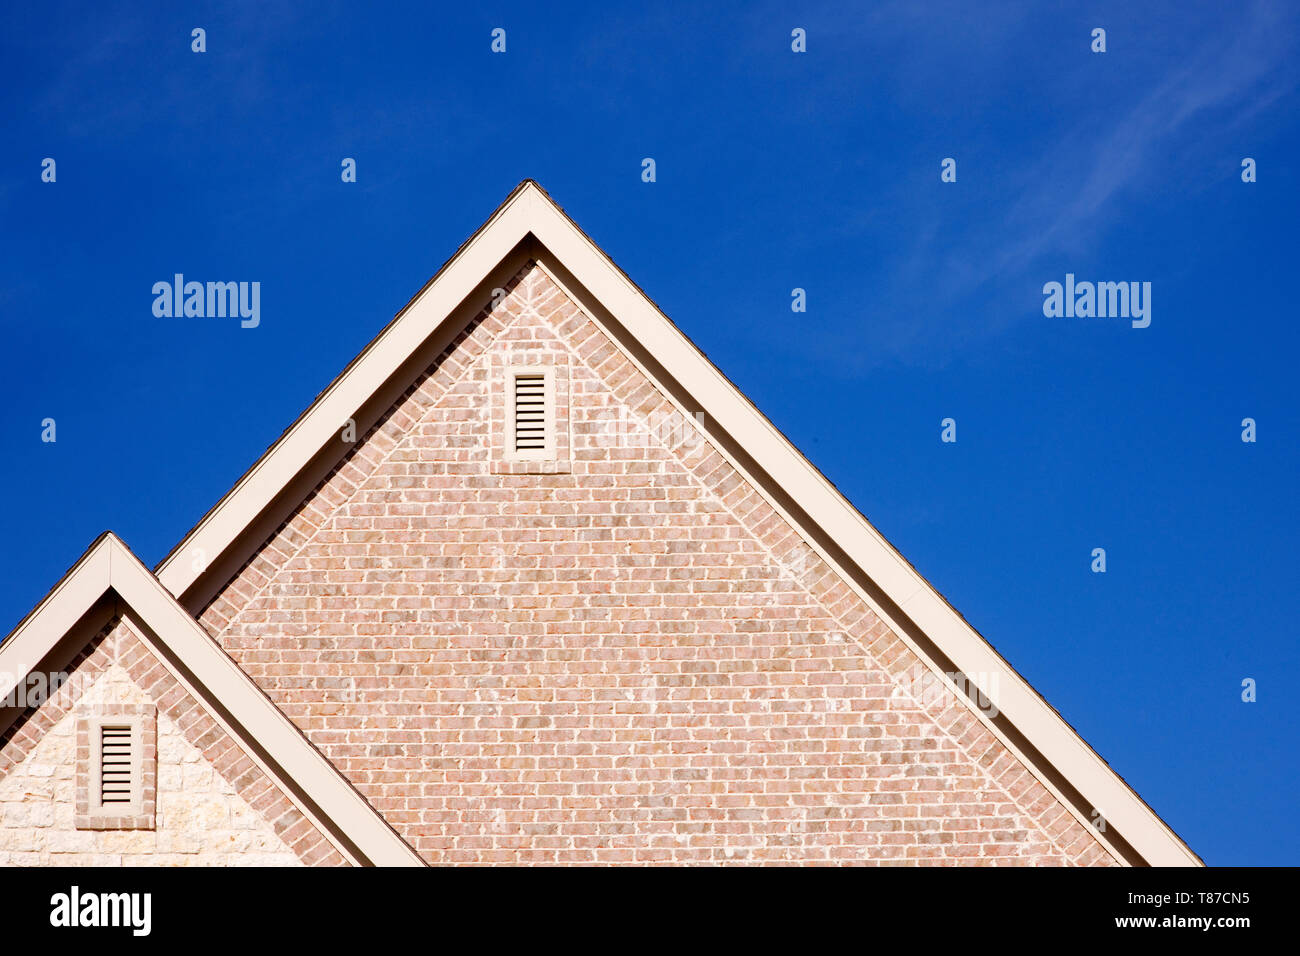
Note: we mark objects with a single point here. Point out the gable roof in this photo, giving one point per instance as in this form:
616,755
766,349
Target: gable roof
109,568
1033,731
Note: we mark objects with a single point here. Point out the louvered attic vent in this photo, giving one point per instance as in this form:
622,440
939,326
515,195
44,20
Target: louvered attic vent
531,423
117,768
116,759
530,419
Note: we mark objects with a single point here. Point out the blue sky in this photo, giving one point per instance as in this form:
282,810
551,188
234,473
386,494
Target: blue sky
775,170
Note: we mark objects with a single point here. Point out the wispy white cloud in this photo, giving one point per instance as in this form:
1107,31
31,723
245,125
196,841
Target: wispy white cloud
1223,83
1069,189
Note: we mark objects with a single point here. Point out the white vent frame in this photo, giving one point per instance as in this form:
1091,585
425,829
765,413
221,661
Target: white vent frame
548,451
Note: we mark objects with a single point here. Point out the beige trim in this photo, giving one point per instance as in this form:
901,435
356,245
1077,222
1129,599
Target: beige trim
269,738
904,599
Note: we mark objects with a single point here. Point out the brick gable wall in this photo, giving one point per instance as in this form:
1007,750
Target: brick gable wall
637,660
214,806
